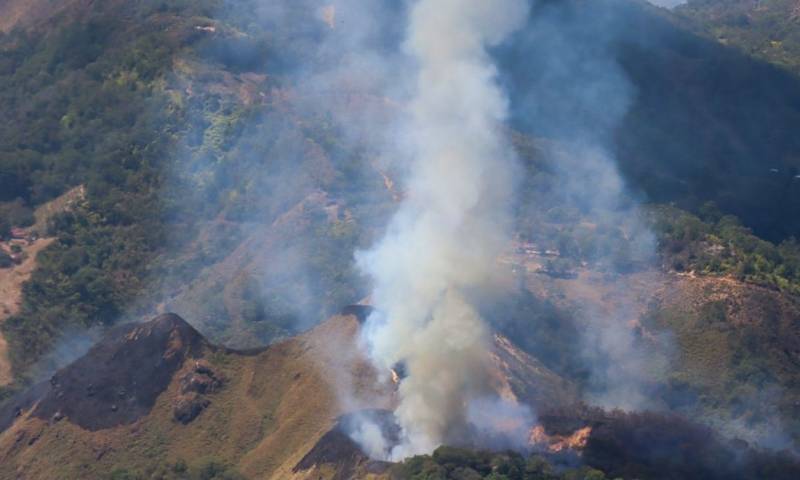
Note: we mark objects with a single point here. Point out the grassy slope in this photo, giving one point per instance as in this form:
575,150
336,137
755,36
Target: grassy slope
739,352
274,407
732,347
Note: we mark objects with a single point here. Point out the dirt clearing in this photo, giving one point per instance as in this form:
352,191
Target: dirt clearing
11,280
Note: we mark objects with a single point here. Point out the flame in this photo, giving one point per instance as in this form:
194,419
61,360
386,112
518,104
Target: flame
559,443
389,184
395,377
329,16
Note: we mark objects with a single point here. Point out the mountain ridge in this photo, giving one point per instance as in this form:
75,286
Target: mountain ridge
104,395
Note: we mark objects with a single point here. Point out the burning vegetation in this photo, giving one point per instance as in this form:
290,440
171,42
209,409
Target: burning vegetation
539,439
118,393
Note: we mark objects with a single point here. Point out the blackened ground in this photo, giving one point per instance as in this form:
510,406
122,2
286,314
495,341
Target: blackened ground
13,407
336,448
119,379
361,312
655,446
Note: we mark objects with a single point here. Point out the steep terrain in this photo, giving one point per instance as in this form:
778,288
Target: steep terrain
688,119
150,395
203,98
11,281
268,406
156,400
765,29
24,14
25,247
216,190
719,350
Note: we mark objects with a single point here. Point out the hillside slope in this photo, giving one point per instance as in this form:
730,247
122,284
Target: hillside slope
766,29
723,352
215,191
195,114
156,400
151,395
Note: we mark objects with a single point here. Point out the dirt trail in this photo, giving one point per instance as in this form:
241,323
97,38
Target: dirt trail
11,280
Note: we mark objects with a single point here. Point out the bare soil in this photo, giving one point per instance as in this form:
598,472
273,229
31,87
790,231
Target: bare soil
11,281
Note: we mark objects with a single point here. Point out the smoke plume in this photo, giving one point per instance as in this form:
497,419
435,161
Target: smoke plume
444,240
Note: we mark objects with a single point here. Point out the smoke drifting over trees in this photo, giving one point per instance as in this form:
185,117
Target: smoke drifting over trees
418,93
445,238
322,151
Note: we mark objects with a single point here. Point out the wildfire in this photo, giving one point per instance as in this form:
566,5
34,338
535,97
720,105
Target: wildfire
398,372
558,443
390,187
329,16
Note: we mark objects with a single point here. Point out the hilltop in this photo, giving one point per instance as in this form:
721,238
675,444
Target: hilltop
150,395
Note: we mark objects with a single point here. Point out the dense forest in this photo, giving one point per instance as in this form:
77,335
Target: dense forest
108,104
689,120
85,106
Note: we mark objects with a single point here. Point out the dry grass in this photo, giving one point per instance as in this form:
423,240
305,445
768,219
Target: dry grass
273,409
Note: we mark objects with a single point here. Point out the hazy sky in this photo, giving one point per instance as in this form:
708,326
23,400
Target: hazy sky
667,3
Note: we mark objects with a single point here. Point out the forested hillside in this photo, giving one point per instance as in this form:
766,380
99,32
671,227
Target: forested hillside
84,103
189,157
159,109
766,29
106,105
206,181
689,120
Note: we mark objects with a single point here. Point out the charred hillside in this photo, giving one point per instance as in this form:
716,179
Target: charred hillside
665,446
336,449
118,380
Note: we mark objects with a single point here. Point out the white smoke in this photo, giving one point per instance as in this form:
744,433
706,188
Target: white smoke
667,3
444,240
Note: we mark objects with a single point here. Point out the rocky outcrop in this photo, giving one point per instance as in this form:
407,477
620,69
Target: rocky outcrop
201,379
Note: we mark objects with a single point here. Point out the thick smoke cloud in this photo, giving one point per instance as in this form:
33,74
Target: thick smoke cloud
432,112
447,235
278,131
